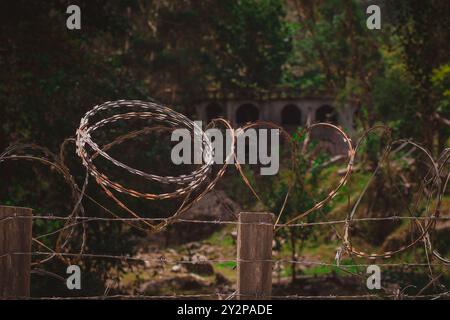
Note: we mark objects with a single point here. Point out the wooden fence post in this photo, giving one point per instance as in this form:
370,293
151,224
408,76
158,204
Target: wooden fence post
15,236
254,255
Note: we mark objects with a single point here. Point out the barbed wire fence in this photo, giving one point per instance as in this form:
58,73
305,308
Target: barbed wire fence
192,187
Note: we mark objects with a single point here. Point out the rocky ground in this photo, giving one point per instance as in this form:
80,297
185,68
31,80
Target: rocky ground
178,260
199,259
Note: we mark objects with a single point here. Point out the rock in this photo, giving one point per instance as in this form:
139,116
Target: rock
180,282
221,280
178,268
172,251
193,246
199,258
214,206
200,265
190,282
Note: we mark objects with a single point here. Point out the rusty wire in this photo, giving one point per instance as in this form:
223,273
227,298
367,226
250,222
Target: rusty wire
193,186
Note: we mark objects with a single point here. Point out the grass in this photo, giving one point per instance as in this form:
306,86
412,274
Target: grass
222,238
227,269
226,264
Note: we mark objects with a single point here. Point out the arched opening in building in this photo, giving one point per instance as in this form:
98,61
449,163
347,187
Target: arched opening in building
326,113
247,113
291,116
214,111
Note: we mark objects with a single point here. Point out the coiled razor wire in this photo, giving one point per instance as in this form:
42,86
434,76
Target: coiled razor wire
150,111
193,186
432,179
444,172
32,152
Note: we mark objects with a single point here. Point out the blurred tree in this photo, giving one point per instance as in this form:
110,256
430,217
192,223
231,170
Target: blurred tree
422,27
335,52
253,43
130,49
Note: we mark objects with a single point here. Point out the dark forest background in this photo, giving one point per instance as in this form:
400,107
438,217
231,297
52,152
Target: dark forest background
175,51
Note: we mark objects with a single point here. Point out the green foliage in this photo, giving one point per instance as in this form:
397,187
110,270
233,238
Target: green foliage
254,42
422,28
175,50
441,87
393,98
332,45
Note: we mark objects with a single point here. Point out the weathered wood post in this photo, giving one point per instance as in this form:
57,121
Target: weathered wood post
254,255
15,236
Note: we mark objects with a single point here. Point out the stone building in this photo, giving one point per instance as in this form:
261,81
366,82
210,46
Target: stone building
290,109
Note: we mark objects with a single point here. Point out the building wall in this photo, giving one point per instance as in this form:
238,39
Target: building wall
272,110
